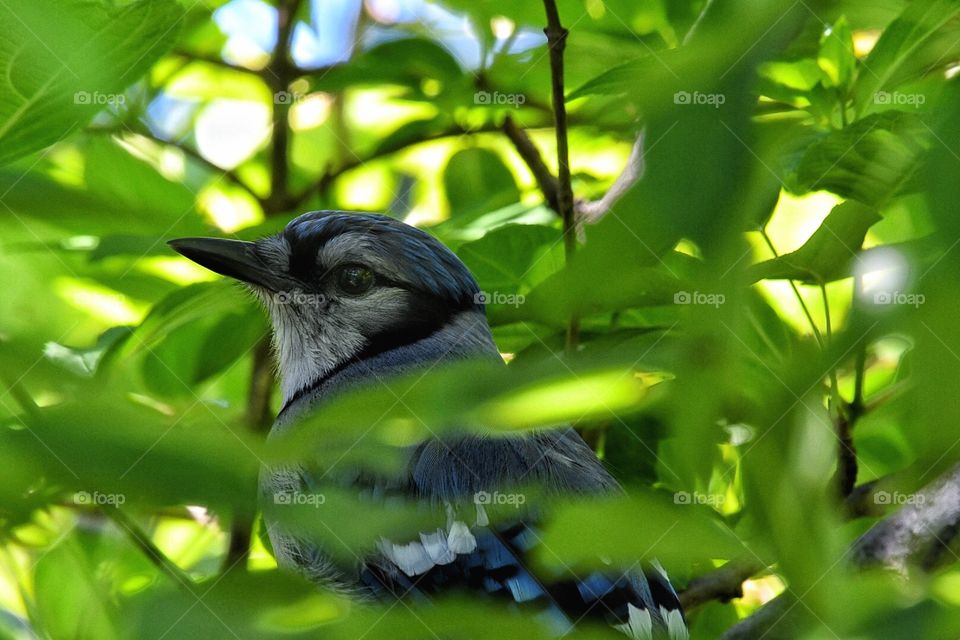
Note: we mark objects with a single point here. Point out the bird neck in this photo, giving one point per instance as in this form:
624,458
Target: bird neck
465,335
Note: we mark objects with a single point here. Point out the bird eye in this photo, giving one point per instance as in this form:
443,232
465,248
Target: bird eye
354,279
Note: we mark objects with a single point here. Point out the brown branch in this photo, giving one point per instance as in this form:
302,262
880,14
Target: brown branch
258,419
920,533
214,60
772,621
528,151
280,72
229,174
723,584
556,42
321,184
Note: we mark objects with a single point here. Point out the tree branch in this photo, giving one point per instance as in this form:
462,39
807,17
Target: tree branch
918,534
214,60
322,183
723,584
280,73
556,42
547,182
193,154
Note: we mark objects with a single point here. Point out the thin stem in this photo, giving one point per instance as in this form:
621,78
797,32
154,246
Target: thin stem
847,453
829,331
143,132
796,291
137,535
321,184
531,156
140,538
556,42
857,404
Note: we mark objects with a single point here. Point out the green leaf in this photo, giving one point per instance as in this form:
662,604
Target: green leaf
477,180
836,58
624,531
872,160
826,255
800,75
111,446
513,258
231,338
66,583
56,73
180,308
899,41
422,60
83,362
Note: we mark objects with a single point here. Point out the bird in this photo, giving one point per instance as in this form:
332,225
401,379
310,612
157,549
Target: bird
356,296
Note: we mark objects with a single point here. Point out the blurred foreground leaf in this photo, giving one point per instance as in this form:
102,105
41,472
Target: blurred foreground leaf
56,74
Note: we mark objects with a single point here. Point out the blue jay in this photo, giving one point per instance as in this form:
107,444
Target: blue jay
357,296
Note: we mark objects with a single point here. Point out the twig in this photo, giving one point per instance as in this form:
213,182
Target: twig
796,291
136,534
149,549
214,60
846,452
193,154
321,184
531,156
556,41
592,212
856,405
918,533
723,584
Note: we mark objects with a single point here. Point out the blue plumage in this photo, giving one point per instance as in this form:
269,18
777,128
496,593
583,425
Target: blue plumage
383,298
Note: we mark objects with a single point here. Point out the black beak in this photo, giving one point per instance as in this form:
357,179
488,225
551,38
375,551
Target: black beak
233,258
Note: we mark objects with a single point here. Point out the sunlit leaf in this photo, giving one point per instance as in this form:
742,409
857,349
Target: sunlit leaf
827,254
58,74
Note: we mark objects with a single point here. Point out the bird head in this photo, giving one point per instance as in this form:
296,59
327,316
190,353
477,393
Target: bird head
344,287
